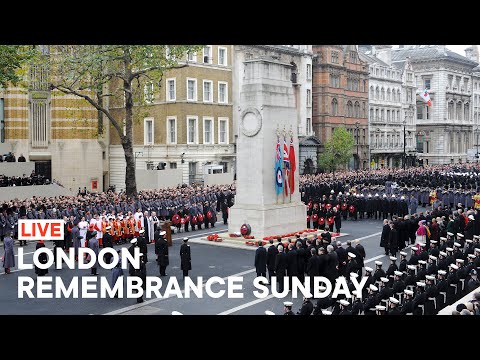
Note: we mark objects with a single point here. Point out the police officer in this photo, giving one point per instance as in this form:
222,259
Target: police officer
185,257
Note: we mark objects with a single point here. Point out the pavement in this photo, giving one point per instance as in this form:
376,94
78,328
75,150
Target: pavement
208,260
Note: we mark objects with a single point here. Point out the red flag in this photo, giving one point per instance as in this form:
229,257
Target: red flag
293,167
286,162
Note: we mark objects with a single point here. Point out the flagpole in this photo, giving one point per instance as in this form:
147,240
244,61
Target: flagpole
291,168
283,165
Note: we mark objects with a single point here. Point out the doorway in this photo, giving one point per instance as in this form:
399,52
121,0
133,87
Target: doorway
44,168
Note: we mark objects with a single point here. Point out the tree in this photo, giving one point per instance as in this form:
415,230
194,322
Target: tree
98,72
337,150
12,59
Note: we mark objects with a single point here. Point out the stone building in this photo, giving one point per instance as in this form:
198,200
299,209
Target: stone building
391,108
299,57
472,54
340,97
186,122
60,133
444,130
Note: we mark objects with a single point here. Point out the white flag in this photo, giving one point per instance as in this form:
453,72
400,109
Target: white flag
426,97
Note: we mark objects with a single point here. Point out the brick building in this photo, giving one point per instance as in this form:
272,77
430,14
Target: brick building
340,97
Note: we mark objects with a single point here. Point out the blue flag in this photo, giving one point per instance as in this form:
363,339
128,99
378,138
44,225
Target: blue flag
278,168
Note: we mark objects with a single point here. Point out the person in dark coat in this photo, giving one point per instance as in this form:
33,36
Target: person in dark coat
141,272
261,260
384,238
280,267
470,227
42,259
287,308
271,256
301,262
161,250
117,271
9,254
312,266
342,260
393,240
393,306
307,307
292,263
185,257
93,244
107,242
77,243
142,244
361,255
131,250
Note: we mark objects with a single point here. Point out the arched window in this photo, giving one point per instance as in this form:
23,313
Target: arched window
459,110
355,85
388,115
376,115
399,97
372,92
466,112
388,94
382,114
349,109
357,109
364,110
377,92
334,107
371,114
450,110
459,142
398,115
383,93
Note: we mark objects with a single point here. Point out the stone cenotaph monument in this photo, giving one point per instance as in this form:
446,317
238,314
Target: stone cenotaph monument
268,113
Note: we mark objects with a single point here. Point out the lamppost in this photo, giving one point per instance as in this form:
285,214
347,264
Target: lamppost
137,154
357,125
477,131
404,143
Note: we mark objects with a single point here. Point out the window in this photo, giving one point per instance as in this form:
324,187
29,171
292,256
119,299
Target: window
383,94
148,131
459,111
148,92
427,112
355,85
409,95
426,83
192,129
334,81
222,92
349,109
191,56
377,93
334,57
450,111
309,126
173,165
409,77
398,115
223,130
388,115
207,54
357,109
371,115
399,97
104,155
207,130
309,71
450,81
171,90
353,57
222,56
225,165
388,94
191,89
466,110
364,110
382,114
207,91
372,92
334,107
376,115
309,98
171,130
420,112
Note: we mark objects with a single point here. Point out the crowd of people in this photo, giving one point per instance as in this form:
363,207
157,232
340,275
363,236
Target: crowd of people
10,157
32,179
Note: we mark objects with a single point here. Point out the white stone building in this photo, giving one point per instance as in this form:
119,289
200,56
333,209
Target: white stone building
300,59
472,54
444,130
391,108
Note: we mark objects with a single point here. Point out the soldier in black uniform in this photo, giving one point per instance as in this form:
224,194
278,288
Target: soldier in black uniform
419,299
411,277
391,269
142,244
357,305
288,308
344,307
161,250
107,242
450,257
414,257
442,287
433,248
185,257
432,265
398,284
422,270
371,301
452,282
393,306
307,306
407,307
403,262
430,294
385,291
370,281
379,272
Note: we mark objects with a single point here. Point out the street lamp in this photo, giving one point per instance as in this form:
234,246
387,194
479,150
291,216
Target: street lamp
477,131
357,125
404,143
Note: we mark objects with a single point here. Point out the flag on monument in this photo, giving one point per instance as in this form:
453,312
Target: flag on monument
293,167
278,169
426,97
286,161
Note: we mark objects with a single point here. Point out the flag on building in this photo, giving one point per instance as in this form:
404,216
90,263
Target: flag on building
278,168
425,97
286,161
293,167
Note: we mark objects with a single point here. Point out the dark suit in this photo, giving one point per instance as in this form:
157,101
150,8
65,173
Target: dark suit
271,255
261,261
307,308
280,268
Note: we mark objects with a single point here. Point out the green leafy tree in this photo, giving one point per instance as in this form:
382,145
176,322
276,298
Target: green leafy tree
98,72
337,150
12,60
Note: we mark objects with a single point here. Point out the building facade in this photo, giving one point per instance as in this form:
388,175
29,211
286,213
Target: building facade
340,97
391,108
472,54
300,59
184,122
444,131
62,134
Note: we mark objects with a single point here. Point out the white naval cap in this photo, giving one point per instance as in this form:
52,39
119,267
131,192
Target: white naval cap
422,262
430,277
461,261
433,241
421,284
380,307
185,239
449,233
393,258
355,293
376,194
422,244
471,217
471,256
384,195
457,244
449,249
141,231
373,287
413,247
393,300
288,303
162,233
403,253
108,227
352,274
468,241
378,263
133,241
408,292
268,312
384,279
476,250
398,273
460,235
432,257
393,195
443,238
442,272
352,255
476,236
176,313
411,267
443,253
368,269
344,302
453,266
326,312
